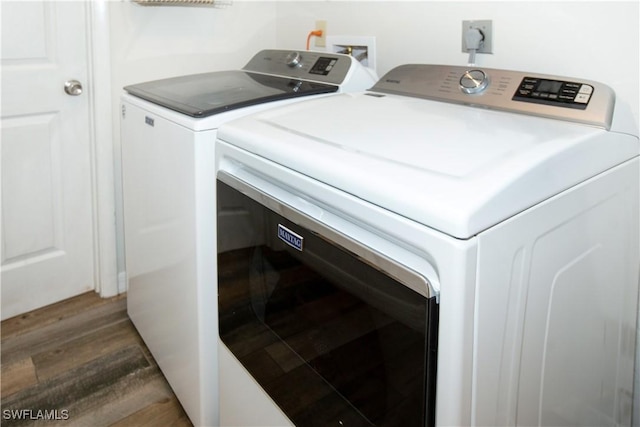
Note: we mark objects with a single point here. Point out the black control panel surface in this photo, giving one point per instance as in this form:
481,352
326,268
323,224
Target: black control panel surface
554,92
323,66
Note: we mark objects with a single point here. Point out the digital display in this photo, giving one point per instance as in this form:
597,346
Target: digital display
323,66
549,86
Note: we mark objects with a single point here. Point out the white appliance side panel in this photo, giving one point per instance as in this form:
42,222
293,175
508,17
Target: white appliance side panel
457,270
207,278
243,403
556,306
163,229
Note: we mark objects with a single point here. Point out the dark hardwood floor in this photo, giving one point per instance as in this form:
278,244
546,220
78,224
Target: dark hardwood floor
82,363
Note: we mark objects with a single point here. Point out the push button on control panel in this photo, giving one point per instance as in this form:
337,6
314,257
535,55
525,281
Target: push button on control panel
584,94
554,92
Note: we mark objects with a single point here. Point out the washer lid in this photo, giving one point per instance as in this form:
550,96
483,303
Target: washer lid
454,168
202,95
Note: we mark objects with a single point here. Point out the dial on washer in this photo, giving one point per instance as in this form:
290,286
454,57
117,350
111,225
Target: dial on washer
474,81
294,59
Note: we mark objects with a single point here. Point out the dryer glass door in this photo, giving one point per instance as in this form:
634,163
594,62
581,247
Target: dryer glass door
332,339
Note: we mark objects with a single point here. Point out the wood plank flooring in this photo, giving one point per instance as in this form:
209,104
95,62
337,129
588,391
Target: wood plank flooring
82,361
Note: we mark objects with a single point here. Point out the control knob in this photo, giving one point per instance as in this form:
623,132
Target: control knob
294,59
474,81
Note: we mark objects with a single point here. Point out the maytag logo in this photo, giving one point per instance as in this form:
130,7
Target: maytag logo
290,238
148,120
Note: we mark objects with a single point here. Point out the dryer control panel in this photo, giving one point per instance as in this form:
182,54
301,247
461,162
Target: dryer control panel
554,92
563,98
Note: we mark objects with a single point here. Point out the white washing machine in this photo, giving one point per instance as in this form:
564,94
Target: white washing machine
453,247
168,134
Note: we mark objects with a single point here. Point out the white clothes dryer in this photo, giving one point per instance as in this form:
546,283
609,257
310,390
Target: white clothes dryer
453,247
168,130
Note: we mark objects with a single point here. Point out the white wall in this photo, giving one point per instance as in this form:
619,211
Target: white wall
591,40
150,42
154,42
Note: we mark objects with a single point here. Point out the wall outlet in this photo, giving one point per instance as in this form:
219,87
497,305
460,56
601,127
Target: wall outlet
322,40
363,48
486,27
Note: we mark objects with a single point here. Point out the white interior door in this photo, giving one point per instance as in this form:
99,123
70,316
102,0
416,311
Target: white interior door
47,220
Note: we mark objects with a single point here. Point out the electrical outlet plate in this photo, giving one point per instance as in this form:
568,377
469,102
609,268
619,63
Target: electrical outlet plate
486,27
363,48
322,40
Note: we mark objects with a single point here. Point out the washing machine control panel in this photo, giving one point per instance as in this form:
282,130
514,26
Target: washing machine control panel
569,99
326,67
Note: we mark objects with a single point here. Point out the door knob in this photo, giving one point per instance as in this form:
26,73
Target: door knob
73,87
